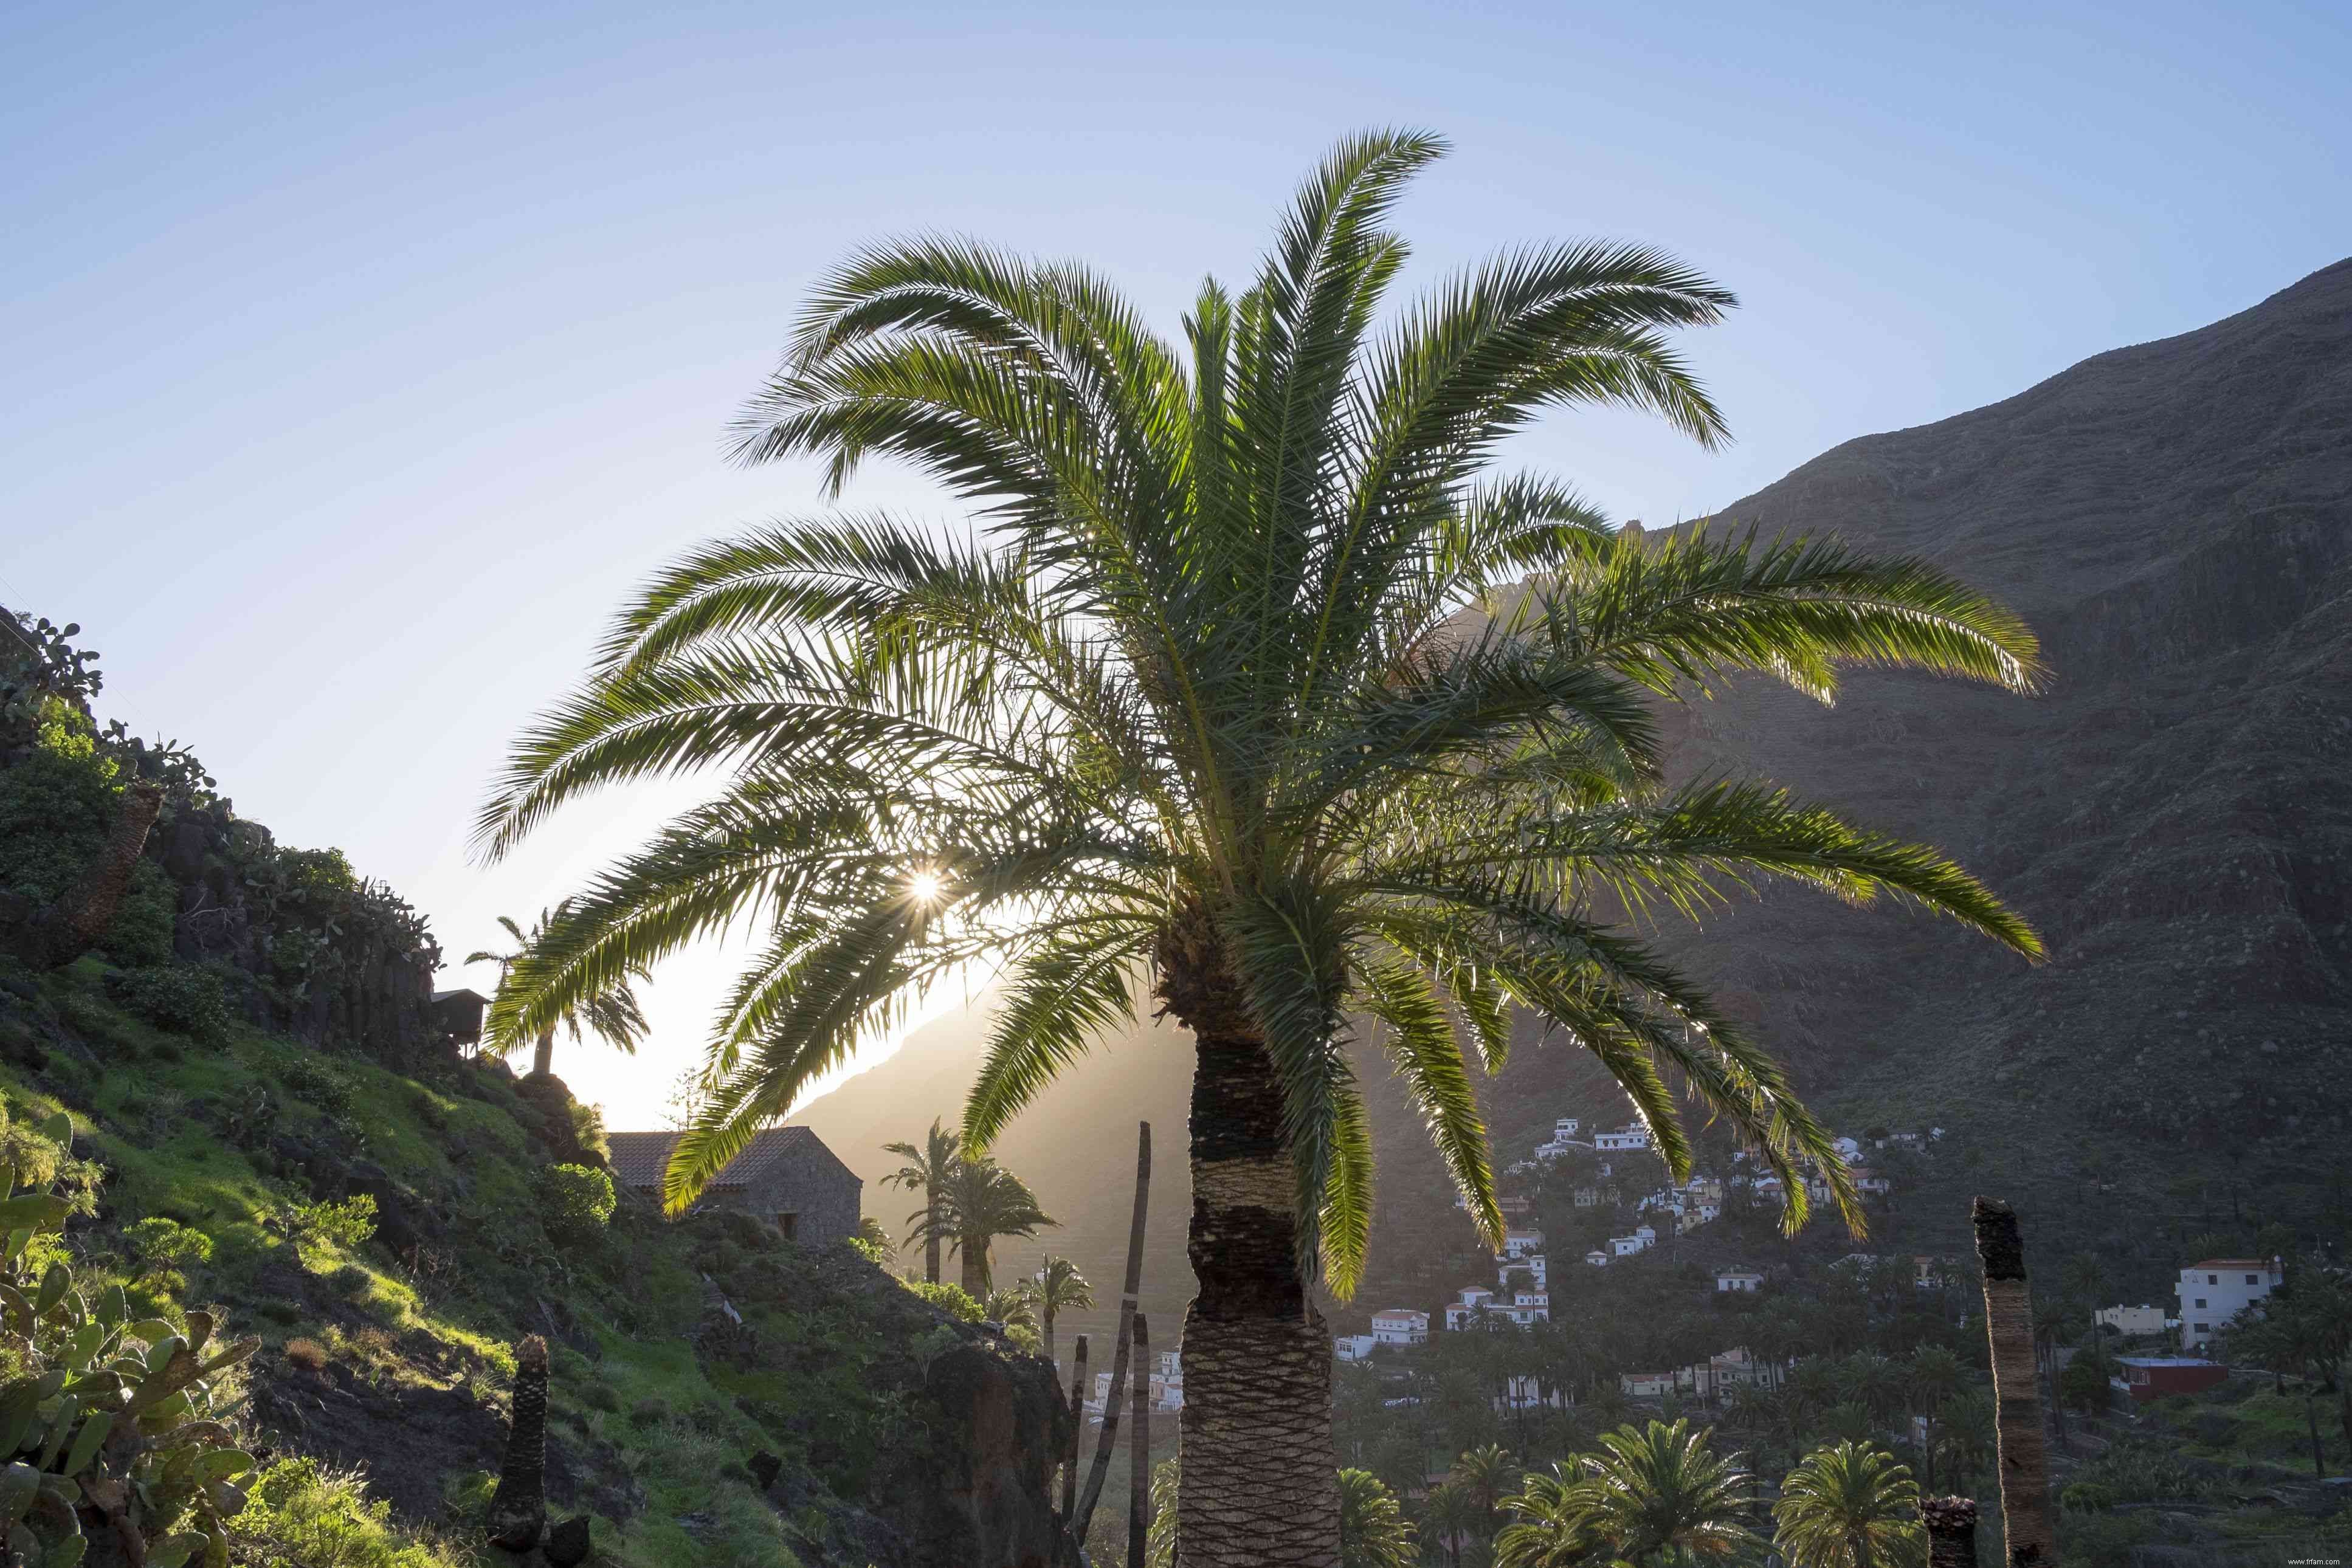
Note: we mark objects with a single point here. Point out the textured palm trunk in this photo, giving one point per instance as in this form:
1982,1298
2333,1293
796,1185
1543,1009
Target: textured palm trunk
91,907
518,1507
1951,1531
1045,1337
542,1055
975,1265
2026,1528
931,1241
1260,1482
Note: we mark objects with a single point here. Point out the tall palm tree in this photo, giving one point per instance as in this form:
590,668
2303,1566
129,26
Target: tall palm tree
1936,1378
1373,1530
1875,1382
1850,1506
1649,1497
928,1170
980,1202
607,1009
1201,717
1056,1287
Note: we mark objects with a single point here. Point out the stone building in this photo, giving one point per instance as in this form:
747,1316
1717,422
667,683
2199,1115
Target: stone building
787,1179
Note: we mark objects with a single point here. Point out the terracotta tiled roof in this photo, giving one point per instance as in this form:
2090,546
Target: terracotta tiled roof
640,1158
2231,1263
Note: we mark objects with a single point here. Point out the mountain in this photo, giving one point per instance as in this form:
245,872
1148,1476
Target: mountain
2175,519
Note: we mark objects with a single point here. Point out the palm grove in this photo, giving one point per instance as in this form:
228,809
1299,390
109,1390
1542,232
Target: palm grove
1255,691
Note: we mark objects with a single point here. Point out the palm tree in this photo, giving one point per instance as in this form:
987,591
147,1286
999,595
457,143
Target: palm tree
1485,1475
1015,1308
1649,1497
1970,1435
1937,1378
1056,1287
1850,1506
1874,1382
980,1202
607,1009
928,1170
1373,1530
1159,1545
1202,718
1449,1514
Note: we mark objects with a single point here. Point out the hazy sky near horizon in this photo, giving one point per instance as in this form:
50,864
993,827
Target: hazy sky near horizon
357,361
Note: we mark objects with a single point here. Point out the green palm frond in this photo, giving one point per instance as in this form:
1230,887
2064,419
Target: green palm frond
1246,634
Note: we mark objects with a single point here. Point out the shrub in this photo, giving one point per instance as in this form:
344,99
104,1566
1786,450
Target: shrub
950,1299
599,1396
347,1225
181,998
574,1201
303,1515
307,1354
164,1246
318,1083
649,1412
2214,1429
875,1252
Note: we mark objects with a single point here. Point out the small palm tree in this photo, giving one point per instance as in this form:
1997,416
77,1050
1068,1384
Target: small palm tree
1373,1530
1649,1497
1850,1506
928,1170
980,1202
1485,1475
1056,1287
1264,694
1159,1545
1448,1515
608,1010
1015,1308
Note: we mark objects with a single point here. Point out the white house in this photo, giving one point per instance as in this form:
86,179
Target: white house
2218,1289
1527,1308
1645,1385
1461,1312
1633,1136
2132,1319
1166,1387
1533,1265
1597,1258
1400,1325
1850,1148
1518,1243
1642,1238
1353,1347
1738,1280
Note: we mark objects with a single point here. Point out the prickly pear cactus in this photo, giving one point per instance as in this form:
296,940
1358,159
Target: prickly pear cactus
109,1445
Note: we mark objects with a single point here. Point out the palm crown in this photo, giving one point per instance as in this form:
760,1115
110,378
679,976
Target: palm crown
609,1010
1202,695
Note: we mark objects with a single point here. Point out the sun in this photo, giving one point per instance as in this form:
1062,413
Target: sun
925,887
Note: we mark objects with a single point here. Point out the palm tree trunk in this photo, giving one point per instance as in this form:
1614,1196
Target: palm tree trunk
1260,1485
518,1507
1138,1448
1046,1337
542,1055
975,1265
931,1239
90,907
1951,1531
2026,1528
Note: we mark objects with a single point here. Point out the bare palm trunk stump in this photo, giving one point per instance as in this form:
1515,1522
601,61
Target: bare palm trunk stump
1951,1531
518,1508
2009,1325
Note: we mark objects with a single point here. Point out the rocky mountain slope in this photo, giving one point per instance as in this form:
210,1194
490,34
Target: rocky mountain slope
2175,519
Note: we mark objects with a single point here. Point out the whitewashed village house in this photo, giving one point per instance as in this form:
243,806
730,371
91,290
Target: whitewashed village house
1400,1325
2217,1290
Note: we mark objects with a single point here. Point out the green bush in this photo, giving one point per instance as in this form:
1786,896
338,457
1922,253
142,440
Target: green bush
321,1084
2103,1539
347,1225
574,1201
177,996
952,1300
164,1247
303,1515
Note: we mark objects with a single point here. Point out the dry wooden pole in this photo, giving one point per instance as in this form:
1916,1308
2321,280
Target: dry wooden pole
2026,1526
1951,1531
1138,1448
1100,1472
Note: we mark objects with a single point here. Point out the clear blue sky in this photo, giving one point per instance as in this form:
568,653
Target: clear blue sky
357,360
